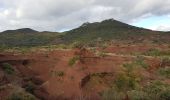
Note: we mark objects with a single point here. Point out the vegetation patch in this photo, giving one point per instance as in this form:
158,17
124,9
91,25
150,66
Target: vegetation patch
164,72
30,87
139,61
58,73
73,60
21,96
8,68
77,45
156,52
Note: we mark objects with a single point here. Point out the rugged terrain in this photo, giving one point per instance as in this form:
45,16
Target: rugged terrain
106,60
76,74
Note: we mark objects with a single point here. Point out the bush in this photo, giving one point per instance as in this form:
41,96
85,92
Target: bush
57,73
73,60
140,62
152,52
164,72
60,73
165,95
156,52
8,68
158,91
112,94
124,82
138,95
30,87
21,96
77,45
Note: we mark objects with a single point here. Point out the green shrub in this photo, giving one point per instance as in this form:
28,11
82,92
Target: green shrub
164,72
139,61
77,45
165,95
129,67
152,52
30,87
124,82
60,73
21,96
156,52
57,73
8,68
138,95
62,46
73,60
157,91
112,94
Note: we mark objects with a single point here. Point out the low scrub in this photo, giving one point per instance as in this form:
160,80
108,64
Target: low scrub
155,90
58,73
21,96
8,68
30,87
140,61
73,60
164,72
156,52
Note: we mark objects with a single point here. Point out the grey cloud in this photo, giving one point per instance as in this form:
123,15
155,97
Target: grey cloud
56,15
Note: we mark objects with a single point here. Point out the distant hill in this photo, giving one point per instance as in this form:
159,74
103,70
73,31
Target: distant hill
23,30
26,37
104,31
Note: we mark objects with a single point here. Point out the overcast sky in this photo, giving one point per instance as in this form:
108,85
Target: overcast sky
60,15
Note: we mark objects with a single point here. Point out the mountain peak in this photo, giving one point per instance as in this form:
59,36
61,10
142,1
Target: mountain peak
85,24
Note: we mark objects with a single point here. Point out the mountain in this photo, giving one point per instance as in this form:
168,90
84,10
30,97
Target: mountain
105,31
23,30
113,30
26,37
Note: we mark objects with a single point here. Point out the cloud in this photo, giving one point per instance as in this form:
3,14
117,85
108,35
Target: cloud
57,15
163,27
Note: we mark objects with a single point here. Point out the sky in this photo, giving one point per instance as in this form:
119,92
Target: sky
62,15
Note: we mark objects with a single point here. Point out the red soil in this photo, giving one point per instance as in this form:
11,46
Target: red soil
44,69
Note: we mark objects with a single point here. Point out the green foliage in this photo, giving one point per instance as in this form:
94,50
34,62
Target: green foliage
27,39
156,52
112,94
92,34
77,45
164,72
63,46
73,60
139,61
60,73
157,91
30,87
105,30
129,67
8,68
138,95
21,96
125,82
